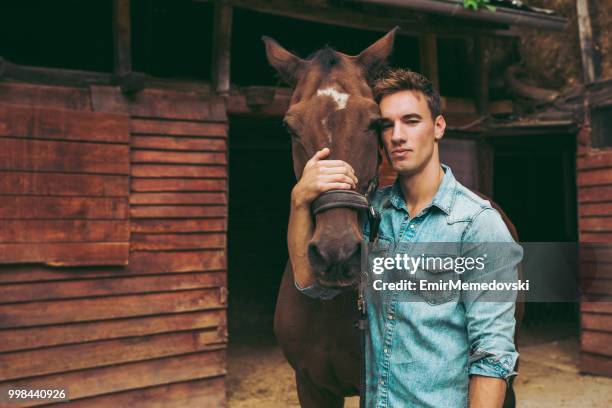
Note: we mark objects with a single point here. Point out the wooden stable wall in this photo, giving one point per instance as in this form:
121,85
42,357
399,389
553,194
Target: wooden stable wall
594,168
148,330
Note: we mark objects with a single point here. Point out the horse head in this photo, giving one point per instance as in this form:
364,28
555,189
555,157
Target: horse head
332,106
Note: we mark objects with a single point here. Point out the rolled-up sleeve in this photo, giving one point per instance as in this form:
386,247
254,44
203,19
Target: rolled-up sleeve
317,291
490,313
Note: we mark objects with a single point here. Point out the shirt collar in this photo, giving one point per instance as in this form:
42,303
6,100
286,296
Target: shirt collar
443,199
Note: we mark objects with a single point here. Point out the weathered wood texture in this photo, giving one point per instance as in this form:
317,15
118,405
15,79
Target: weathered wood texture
594,179
145,178
52,209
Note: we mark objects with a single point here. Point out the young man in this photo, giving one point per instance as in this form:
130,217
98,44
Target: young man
449,350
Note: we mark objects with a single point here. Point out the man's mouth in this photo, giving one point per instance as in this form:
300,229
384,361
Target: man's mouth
400,152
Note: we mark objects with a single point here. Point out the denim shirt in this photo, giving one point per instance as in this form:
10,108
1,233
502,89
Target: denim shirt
421,353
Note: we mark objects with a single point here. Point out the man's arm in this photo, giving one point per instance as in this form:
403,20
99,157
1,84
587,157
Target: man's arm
319,175
486,392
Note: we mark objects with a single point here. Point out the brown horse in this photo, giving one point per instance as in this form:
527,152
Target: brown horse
319,338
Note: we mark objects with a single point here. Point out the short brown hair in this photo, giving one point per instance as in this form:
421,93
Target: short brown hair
395,80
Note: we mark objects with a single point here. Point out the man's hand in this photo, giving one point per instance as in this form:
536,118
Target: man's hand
321,175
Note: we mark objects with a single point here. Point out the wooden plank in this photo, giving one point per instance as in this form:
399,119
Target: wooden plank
160,242
105,380
42,95
31,292
122,37
177,211
112,307
173,171
592,286
595,194
63,184
175,184
67,254
209,392
178,128
596,342
594,321
62,124
596,307
594,364
140,263
106,352
221,46
594,209
602,270
594,161
31,231
595,177
428,57
46,336
585,34
174,225
70,157
171,104
595,237
178,198
48,207
155,156
191,144
481,73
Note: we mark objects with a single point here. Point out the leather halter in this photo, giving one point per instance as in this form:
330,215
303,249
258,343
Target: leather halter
350,199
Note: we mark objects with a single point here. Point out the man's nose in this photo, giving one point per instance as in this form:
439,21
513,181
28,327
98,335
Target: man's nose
397,137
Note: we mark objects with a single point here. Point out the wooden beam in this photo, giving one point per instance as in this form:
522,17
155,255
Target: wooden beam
122,37
481,73
222,44
428,53
585,33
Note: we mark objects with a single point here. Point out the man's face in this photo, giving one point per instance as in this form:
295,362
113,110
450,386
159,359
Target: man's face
408,132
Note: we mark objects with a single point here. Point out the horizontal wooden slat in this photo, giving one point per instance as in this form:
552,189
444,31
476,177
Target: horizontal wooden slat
595,237
596,252
594,364
177,143
128,376
103,353
177,211
153,242
595,177
30,292
140,263
596,307
595,194
600,270
178,198
186,171
22,231
66,254
602,224
594,209
595,321
63,184
596,342
209,392
156,156
593,286
595,161
45,207
177,184
177,128
80,310
63,124
70,157
41,95
177,225
170,104
45,336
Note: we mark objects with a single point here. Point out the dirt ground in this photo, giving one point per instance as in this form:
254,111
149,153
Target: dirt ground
258,376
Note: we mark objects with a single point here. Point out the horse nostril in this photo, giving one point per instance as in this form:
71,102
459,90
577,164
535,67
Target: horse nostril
315,256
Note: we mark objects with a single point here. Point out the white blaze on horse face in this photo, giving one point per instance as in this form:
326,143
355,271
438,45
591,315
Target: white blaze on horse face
341,98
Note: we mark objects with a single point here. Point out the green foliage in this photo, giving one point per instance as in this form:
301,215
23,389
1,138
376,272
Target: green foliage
477,4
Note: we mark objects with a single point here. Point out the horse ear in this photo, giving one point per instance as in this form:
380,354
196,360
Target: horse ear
375,56
285,63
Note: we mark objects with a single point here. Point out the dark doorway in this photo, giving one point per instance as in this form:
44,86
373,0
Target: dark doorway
534,182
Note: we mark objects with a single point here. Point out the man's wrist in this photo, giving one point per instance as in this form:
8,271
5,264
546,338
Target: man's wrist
297,201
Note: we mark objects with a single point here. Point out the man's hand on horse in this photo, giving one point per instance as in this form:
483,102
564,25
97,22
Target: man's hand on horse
322,175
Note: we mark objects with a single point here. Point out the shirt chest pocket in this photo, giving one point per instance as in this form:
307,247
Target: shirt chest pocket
437,280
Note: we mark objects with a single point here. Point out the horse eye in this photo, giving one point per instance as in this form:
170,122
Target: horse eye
290,130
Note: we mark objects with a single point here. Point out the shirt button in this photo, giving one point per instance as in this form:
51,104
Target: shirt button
412,226
382,382
390,317
386,350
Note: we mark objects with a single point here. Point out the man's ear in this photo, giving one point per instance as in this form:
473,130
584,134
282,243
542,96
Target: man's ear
375,57
286,64
439,127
